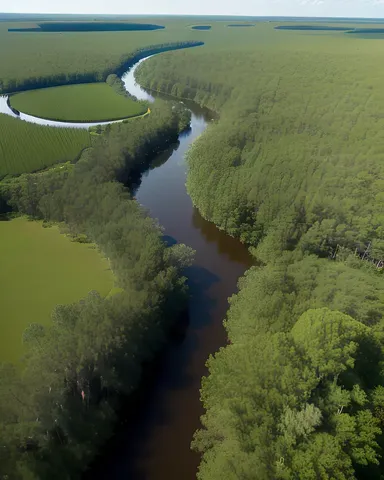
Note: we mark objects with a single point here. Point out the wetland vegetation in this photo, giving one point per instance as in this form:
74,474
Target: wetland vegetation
292,167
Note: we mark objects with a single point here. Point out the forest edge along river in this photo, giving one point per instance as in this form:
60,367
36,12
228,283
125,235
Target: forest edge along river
156,446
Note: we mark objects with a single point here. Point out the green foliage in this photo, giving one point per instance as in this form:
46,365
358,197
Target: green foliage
58,410
292,168
279,407
26,147
117,84
33,60
44,268
77,103
289,397
279,155
328,339
297,392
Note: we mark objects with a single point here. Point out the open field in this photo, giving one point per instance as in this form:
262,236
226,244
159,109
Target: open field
92,102
41,268
26,147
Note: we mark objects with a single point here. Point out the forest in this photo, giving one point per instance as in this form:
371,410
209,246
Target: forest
58,409
88,27
292,168
73,65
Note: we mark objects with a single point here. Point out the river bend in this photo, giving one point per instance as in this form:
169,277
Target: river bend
157,445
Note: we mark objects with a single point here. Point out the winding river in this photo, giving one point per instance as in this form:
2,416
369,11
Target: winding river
131,87
157,446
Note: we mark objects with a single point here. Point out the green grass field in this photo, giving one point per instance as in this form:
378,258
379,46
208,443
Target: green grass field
26,147
41,268
91,102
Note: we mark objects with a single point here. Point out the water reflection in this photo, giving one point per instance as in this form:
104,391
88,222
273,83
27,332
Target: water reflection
155,444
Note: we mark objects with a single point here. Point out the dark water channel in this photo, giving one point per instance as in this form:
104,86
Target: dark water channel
157,445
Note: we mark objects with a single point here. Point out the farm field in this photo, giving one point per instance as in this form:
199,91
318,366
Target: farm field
41,268
26,147
91,102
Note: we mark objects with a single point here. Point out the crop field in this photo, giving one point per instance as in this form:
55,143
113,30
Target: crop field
41,268
81,103
26,147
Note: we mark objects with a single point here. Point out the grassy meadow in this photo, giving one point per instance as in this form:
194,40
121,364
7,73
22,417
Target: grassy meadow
41,268
26,147
91,102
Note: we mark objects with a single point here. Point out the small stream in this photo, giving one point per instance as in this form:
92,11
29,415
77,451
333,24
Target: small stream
157,445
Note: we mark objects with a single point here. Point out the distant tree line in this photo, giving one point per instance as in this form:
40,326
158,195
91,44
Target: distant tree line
58,408
88,27
54,80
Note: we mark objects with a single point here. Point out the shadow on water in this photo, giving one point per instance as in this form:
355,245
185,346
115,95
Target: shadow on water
153,439
148,410
135,178
169,241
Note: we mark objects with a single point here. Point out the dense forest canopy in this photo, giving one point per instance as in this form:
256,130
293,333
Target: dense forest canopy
58,409
293,167
40,59
299,137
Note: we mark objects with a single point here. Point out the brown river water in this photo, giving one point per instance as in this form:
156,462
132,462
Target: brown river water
156,445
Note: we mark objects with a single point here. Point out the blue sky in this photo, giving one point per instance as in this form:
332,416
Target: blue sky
344,8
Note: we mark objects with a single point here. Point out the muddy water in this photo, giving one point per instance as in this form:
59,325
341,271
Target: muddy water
157,445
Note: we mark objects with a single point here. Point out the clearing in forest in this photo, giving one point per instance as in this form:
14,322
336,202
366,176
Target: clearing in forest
90,102
40,268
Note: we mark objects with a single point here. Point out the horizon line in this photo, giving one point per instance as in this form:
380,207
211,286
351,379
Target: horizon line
192,15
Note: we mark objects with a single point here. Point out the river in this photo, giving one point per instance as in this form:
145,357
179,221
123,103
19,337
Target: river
157,445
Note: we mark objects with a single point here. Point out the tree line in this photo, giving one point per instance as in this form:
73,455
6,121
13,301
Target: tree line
58,408
91,75
293,169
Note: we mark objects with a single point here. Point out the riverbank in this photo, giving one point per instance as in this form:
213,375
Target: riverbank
156,445
125,63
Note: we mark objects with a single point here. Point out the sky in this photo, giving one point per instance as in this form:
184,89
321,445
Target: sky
319,8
